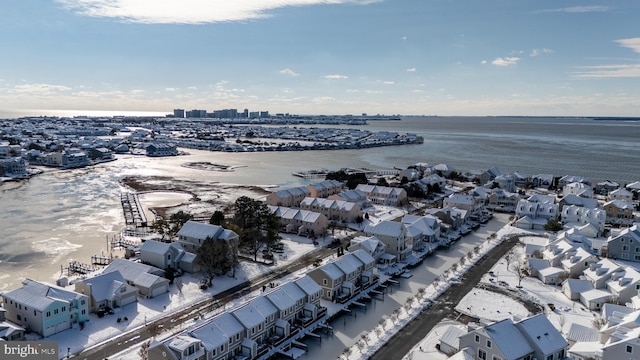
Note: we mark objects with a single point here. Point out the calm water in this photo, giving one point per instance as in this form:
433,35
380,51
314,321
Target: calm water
64,215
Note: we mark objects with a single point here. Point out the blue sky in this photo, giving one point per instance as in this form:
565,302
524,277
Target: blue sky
437,57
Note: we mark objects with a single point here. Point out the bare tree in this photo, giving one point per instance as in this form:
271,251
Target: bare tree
520,269
599,322
144,350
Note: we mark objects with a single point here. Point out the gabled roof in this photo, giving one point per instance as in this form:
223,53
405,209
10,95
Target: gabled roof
348,263
364,257
40,296
199,230
105,286
508,339
307,285
385,228
542,334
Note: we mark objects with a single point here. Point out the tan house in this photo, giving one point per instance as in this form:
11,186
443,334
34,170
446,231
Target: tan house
619,212
300,222
333,210
288,197
384,195
325,188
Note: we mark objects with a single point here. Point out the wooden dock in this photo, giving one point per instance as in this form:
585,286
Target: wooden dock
133,211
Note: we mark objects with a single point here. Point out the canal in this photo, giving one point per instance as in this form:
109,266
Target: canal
348,328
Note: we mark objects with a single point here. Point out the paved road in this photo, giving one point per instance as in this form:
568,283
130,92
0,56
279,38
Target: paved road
416,330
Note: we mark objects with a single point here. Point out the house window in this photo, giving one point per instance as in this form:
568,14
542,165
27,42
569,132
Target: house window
55,311
48,313
19,317
84,312
488,343
550,357
625,247
477,338
324,281
625,256
482,354
629,349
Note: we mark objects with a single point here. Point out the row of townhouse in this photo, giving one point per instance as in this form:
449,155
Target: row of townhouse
384,195
300,222
531,338
250,330
294,196
346,276
333,210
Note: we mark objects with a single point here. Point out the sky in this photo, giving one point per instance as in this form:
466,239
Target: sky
410,57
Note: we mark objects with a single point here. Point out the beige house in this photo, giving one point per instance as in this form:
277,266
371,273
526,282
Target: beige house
325,188
384,195
619,212
288,197
333,210
300,222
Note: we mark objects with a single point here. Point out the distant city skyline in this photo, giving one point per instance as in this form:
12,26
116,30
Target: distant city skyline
309,57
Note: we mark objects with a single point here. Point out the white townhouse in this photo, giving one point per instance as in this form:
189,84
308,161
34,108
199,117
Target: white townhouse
577,260
578,188
300,222
624,284
108,290
625,245
352,268
192,234
393,235
555,252
568,179
620,336
258,318
333,210
573,215
542,180
384,195
534,215
44,308
288,197
600,272
222,338
289,300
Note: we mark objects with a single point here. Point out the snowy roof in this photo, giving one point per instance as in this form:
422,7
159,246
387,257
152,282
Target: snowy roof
332,271
282,299
587,349
364,257
307,285
370,243
451,336
538,264
583,333
348,263
508,339
181,342
385,228
157,247
198,230
542,334
105,285
595,295
579,285
40,295
249,315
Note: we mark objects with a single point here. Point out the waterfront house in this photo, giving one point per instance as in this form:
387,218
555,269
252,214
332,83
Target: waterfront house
503,201
300,222
330,278
352,268
620,194
147,279
333,210
107,291
625,245
257,317
9,331
568,179
384,195
422,231
605,187
578,188
192,234
13,167
370,244
534,215
288,197
44,308
542,181
443,170
168,255
634,187
393,235
312,290
492,174
619,212
288,298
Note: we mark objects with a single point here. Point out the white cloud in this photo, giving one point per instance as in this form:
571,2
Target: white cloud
483,62
505,61
609,71
632,43
411,69
336,76
288,72
170,89
389,82
187,11
580,9
192,88
38,89
536,52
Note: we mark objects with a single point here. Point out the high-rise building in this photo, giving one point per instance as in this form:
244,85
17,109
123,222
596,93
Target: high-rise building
197,114
264,114
245,114
178,113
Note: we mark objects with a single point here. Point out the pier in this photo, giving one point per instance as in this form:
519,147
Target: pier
133,211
